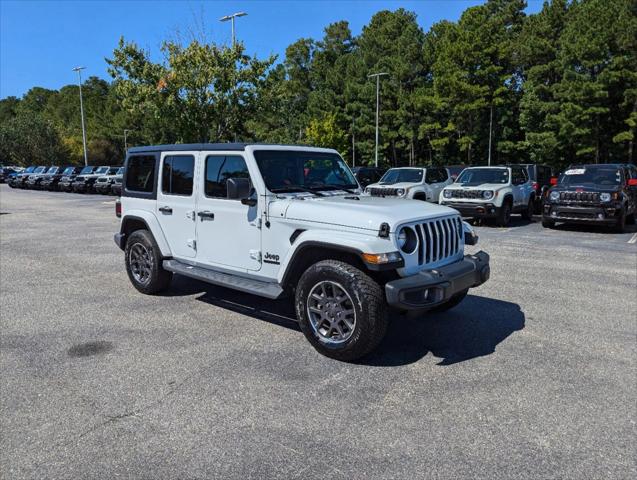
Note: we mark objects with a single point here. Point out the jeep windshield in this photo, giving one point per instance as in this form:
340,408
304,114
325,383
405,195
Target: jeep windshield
303,171
86,170
399,175
601,175
477,176
68,171
101,170
40,170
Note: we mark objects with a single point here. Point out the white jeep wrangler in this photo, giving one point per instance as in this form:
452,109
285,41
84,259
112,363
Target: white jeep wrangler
277,220
418,183
491,192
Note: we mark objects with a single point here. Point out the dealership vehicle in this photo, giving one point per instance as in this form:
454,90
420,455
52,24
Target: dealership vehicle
604,194
540,176
367,175
103,184
66,182
116,187
455,170
418,183
276,220
6,172
51,182
15,180
21,179
491,192
33,181
85,183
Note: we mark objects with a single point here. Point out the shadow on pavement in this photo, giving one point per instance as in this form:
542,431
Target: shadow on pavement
472,329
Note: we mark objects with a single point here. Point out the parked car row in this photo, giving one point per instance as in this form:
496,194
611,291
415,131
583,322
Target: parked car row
106,180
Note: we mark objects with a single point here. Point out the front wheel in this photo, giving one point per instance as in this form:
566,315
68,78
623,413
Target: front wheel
341,311
527,214
548,223
143,263
620,226
504,214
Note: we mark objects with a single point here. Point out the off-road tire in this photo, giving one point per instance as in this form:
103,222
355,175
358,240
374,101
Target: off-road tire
548,223
452,302
527,214
504,214
369,305
159,279
620,226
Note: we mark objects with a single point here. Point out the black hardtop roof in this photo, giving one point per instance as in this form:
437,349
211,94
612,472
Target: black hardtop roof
587,165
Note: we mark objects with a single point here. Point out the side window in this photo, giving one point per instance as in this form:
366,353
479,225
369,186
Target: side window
431,176
518,176
444,176
219,169
140,174
177,174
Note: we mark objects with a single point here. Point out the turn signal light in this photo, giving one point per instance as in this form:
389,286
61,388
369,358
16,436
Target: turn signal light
381,258
118,208
553,180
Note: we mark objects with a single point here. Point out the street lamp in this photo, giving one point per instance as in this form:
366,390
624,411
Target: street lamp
125,137
79,76
377,75
231,18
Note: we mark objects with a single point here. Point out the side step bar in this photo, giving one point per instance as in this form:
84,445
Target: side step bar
263,289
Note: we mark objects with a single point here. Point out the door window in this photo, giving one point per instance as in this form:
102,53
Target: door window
219,169
518,176
432,175
140,173
177,174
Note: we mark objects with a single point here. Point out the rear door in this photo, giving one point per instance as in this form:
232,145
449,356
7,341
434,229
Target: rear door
176,202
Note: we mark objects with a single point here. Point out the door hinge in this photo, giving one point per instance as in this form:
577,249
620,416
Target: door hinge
256,223
255,255
192,243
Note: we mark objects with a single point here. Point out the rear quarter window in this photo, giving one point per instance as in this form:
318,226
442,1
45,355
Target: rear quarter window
140,174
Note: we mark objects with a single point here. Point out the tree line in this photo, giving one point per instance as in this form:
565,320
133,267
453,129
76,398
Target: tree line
555,87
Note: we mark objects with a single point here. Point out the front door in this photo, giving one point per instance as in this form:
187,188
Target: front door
176,202
228,232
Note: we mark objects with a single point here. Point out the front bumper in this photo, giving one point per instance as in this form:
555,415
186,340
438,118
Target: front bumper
604,215
473,210
116,189
103,187
80,187
431,288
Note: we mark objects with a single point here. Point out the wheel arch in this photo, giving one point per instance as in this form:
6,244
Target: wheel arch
145,221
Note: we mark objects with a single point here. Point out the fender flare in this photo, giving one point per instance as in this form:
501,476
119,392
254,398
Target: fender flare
152,225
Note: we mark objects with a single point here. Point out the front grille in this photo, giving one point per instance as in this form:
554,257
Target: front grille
466,193
439,239
589,197
102,180
79,179
118,181
383,192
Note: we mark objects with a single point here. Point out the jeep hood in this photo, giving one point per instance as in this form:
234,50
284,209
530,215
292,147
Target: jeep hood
360,212
404,185
482,186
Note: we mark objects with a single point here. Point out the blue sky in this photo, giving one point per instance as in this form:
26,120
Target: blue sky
40,41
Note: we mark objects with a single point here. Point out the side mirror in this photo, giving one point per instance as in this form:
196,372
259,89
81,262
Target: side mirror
553,181
632,182
239,189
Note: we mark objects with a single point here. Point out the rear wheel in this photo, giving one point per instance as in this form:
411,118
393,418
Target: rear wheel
527,214
143,263
341,311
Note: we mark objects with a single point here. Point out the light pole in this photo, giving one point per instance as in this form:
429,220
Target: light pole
231,18
377,75
79,76
125,137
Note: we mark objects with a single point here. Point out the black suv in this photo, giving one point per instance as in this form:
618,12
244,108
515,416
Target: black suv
540,176
65,183
15,180
33,181
85,183
51,181
24,177
603,194
367,175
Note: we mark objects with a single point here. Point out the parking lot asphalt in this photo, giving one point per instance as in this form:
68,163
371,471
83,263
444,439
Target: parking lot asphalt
532,376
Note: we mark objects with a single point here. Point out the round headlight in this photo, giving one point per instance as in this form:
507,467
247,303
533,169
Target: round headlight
400,192
554,196
487,194
366,189
446,193
407,240
604,197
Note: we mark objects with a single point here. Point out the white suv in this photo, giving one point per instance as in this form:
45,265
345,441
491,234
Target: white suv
491,192
418,183
277,220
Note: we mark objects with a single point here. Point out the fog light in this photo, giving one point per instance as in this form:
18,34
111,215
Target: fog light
600,216
553,214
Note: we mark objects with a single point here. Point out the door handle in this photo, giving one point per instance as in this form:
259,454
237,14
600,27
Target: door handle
166,210
206,215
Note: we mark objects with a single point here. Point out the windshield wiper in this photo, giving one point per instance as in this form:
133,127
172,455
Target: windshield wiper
298,188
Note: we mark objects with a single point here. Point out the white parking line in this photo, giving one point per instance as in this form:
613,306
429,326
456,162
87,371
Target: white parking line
633,239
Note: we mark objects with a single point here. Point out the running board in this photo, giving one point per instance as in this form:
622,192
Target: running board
256,287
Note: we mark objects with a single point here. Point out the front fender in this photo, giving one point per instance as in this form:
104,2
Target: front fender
153,226
346,241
